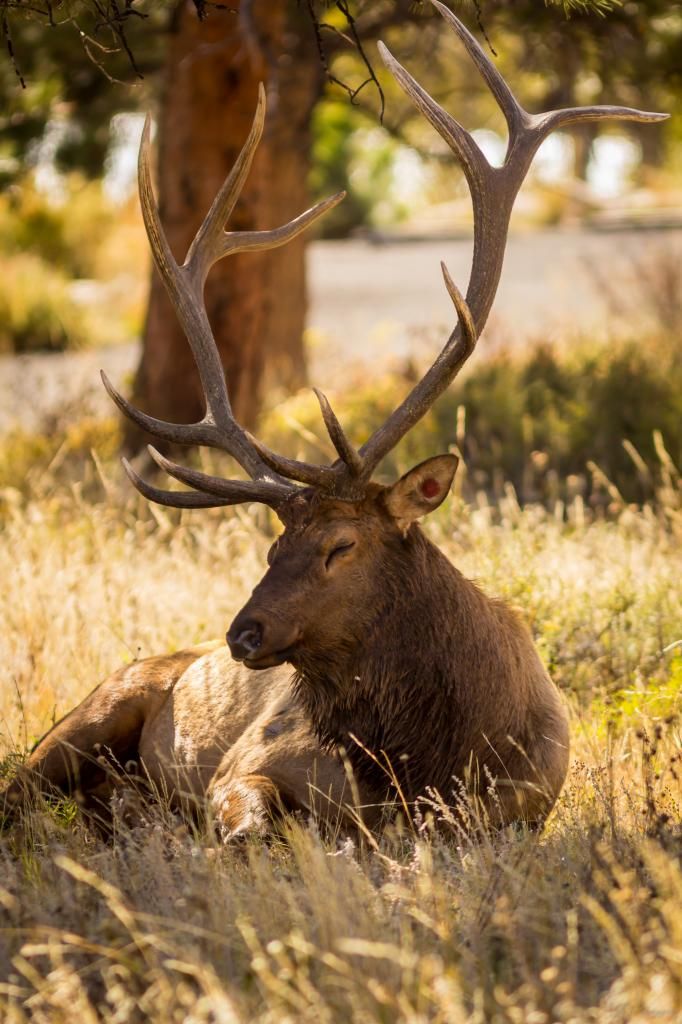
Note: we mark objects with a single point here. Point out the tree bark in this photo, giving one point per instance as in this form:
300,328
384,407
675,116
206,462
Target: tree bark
255,301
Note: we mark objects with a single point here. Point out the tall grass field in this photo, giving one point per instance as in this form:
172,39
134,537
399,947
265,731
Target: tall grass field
577,520
419,923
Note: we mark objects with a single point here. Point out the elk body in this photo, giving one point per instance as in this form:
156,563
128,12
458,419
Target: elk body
362,647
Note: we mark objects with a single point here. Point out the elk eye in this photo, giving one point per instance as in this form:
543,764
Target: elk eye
339,550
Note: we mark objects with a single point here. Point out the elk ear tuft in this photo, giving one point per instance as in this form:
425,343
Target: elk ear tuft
421,490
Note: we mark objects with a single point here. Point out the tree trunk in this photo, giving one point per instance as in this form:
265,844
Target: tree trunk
255,301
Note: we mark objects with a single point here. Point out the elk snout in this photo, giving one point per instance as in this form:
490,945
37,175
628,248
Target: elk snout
245,638
261,641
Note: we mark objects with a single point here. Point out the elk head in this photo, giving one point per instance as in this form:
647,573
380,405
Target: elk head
343,533
320,591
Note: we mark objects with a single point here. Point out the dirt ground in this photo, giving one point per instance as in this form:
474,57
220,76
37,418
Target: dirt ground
373,302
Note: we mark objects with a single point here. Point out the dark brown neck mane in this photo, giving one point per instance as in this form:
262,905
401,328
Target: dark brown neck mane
426,681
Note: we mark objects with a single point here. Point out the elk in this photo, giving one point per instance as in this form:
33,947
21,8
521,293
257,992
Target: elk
362,646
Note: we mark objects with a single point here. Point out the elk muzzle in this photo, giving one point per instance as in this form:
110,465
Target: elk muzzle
259,643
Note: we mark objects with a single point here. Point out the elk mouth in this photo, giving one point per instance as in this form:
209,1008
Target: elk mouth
258,661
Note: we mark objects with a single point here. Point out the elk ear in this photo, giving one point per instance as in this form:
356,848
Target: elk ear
421,490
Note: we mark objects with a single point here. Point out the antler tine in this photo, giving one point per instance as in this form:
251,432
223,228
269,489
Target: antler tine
314,476
555,119
213,228
493,191
185,289
513,112
212,242
174,433
232,491
345,450
457,350
172,499
465,319
516,117
470,157
257,241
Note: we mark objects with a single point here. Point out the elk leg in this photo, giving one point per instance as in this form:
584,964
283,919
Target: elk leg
107,724
277,765
244,806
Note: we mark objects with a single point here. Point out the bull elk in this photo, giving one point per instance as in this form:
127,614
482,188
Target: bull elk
397,659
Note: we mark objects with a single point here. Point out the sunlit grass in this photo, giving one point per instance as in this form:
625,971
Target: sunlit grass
580,924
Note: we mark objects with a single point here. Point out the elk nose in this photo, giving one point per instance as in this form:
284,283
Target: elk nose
245,639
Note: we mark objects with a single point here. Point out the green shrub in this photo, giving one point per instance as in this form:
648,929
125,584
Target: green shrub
648,702
36,310
68,233
48,241
542,419
546,414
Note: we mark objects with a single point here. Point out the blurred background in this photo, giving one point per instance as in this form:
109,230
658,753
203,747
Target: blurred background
576,390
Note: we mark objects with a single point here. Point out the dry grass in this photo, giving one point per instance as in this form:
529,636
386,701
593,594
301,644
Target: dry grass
583,923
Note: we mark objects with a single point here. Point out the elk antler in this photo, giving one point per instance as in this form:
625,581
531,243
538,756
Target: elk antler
185,286
493,191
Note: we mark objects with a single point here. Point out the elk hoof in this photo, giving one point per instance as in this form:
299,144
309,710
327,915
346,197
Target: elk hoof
241,810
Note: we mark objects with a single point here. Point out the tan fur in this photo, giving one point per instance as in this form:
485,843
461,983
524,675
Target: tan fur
204,726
